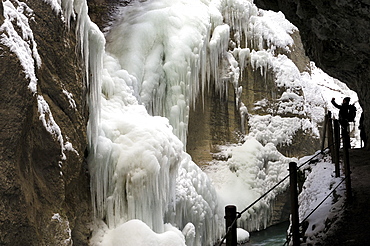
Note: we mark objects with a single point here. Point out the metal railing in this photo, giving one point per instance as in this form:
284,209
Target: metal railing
331,129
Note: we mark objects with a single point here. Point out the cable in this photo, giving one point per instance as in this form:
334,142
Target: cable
321,202
288,239
239,214
229,229
281,181
318,153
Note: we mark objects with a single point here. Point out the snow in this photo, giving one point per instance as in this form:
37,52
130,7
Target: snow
56,217
66,8
273,29
18,36
319,183
49,123
69,96
143,75
243,235
62,230
55,5
274,129
23,43
68,146
137,233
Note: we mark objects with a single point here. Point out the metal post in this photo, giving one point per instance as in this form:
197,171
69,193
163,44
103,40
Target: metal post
330,134
230,216
347,169
324,132
336,147
294,202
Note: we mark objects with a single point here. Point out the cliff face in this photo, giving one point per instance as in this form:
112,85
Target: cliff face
335,35
216,120
44,195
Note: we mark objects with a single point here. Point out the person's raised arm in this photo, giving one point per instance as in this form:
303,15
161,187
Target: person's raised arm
335,104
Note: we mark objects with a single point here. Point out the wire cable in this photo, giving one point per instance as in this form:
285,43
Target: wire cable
239,214
321,202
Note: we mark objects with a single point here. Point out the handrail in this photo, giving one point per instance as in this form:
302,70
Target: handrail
229,229
238,214
290,235
318,153
321,202
281,181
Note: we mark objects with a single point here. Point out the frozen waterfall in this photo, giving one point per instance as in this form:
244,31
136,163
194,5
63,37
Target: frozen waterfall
160,55
143,74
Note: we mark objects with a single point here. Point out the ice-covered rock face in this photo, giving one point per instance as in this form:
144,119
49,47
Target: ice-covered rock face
335,37
161,56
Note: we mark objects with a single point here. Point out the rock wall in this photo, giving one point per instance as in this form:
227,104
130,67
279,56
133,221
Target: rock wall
215,119
44,198
335,35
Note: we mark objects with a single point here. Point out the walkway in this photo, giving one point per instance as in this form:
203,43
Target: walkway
355,225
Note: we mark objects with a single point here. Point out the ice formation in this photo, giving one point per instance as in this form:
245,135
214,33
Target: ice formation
153,63
158,56
137,233
251,170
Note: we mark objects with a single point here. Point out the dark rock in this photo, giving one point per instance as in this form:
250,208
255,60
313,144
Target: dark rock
101,11
44,200
1,14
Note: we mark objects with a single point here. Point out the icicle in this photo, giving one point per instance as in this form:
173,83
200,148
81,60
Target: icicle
158,58
196,202
95,51
218,46
243,116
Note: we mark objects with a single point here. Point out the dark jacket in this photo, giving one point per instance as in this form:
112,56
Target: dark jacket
343,112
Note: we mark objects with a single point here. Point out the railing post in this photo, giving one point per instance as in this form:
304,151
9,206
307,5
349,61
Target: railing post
294,202
347,169
330,134
324,132
230,216
336,147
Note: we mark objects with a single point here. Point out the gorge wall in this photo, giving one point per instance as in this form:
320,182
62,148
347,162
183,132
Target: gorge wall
44,193
335,35
44,185
215,120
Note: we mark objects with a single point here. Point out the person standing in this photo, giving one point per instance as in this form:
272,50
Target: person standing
362,130
343,118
